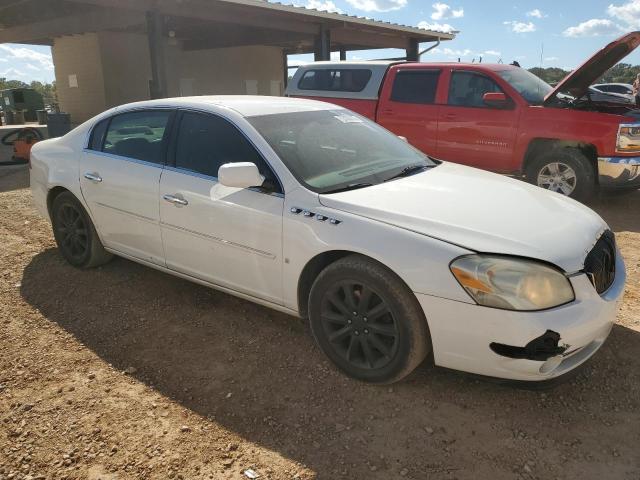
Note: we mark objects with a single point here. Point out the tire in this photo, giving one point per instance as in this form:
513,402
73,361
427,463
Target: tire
75,234
388,336
553,171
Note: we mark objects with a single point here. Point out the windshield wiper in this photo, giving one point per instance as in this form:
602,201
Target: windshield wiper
351,186
410,170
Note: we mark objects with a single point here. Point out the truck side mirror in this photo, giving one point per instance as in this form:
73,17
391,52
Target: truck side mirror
495,99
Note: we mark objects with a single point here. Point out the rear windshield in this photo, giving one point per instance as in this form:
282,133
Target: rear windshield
335,80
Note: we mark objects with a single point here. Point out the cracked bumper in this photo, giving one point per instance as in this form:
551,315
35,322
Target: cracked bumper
619,172
461,333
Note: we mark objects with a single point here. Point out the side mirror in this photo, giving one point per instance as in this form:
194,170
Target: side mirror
495,99
240,175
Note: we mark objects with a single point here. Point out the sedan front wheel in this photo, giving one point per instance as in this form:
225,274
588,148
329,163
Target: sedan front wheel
366,320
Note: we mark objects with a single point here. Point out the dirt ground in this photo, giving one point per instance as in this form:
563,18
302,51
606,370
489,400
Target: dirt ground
125,372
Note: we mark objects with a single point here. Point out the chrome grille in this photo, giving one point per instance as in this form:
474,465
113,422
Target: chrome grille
600,264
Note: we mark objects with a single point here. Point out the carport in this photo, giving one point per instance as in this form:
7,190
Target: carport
108,52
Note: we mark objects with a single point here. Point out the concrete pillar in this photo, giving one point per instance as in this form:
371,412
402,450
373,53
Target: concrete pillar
413,50
323,45
155,31
285,68
343,54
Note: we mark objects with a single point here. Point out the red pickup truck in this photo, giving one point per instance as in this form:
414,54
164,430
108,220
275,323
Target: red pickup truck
496,117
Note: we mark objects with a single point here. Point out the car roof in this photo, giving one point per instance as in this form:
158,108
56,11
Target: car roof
245,105
401,64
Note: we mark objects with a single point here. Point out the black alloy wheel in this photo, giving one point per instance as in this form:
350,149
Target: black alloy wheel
75,234
367,321
359,325
72,231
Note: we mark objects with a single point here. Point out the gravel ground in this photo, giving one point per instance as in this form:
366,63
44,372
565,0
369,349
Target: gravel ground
125,372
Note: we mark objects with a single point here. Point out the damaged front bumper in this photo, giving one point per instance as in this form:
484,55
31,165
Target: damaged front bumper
619,172
515,345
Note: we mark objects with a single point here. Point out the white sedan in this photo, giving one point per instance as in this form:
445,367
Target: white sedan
312,210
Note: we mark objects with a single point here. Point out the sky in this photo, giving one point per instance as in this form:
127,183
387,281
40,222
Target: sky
547,33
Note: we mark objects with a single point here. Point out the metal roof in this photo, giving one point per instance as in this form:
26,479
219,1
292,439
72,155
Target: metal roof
283,7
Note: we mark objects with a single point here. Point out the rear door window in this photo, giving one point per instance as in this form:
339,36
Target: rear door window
97,135
335,80
468,88
139,135
415,86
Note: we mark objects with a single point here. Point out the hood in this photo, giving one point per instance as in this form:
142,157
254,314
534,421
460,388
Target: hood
480,211
578,81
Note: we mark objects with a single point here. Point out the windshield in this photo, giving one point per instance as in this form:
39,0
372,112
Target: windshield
330,150
531,87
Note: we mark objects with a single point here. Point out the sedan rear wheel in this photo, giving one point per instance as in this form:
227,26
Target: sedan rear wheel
367,321
75,234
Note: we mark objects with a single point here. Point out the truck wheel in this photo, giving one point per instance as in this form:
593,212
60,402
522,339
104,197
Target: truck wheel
567,171
366,320
75,234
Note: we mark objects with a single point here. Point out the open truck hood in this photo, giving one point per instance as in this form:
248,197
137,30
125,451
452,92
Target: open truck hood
577,82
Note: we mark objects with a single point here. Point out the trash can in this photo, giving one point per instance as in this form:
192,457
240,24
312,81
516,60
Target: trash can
42,117
58,124
18,117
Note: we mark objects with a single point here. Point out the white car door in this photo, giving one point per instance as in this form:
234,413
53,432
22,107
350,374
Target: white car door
120,176
230,237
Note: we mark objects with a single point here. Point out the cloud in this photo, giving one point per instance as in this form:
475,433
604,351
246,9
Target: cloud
628,13
625,17
460,53
436,27
3,60
535,13
13,72
521,27
326,6
551,59
377,5
442,11
24,53
593,28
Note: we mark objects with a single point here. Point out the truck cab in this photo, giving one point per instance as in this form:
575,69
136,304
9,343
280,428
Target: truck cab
496,117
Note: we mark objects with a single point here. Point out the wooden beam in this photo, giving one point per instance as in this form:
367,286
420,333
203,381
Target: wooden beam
351,36
69,25
213,11
238,37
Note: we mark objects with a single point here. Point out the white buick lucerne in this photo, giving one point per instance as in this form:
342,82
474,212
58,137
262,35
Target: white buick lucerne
310,209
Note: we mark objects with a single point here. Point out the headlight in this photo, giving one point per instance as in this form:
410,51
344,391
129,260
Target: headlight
512,283
628,138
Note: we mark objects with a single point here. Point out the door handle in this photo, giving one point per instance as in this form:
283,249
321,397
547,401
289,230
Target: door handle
94,177
176,200
450,116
